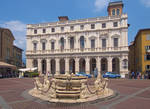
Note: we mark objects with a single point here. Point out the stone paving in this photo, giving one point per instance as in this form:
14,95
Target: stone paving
133,94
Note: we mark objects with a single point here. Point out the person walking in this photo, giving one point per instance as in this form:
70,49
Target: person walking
132,75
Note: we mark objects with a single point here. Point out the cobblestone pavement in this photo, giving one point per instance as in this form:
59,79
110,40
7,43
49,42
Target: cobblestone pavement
133,94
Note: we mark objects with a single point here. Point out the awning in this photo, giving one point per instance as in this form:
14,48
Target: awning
28,69
6,65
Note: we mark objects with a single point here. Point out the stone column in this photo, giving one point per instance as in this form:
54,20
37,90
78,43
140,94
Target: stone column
98,64
77,65
67,66
77,43
29,63
109,64
87,65
120,65
67,43
57,60
57,47
39,66
48,65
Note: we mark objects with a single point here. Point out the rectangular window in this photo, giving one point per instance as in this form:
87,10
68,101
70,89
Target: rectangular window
53,30
115,42
147,48
35,46
35,31
44,30
92,26
43,46
72,43
52,45
81,27
72,28
148,37
62,29
93,43
103,25
103,43
147,57
115,24
147,67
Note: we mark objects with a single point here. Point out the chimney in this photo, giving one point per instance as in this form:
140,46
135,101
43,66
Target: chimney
63,18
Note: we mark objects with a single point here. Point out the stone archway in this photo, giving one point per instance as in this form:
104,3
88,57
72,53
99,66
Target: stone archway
104,65
53,66
82,65
62,66
43,66
115,65
72,66
92,65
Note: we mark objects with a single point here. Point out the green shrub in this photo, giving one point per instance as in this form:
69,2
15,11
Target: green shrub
31,74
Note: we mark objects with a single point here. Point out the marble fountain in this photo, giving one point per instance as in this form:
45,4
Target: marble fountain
71,89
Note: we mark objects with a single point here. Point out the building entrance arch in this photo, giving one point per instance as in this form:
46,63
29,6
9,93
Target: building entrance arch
82,65
43,66
72,66
92,65
62,66
104,65
53,66
115,65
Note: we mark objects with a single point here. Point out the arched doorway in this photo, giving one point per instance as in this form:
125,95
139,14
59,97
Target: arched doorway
92,65
72,66
115,65
35,63
53,66
82,65
62,66
104,65
44,66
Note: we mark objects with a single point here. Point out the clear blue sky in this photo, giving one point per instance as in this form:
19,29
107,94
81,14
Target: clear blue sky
15,14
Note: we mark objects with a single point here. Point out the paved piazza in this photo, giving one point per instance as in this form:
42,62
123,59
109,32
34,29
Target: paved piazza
133,94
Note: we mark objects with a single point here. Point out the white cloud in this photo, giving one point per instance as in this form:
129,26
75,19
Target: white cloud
146,3
100,4
18,29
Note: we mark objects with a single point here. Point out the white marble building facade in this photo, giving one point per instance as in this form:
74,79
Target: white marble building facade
70,46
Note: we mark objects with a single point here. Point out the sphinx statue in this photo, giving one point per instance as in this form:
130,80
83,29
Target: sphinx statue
38,84
46,84
84,90
101,84
52,89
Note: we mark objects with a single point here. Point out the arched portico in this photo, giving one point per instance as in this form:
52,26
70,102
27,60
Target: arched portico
82,65
53,66
43,66
104,65
92,65
115,65
62,66
72,66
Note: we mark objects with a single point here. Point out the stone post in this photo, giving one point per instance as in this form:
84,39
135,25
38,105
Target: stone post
98,64
77,65
48,65
57,66
87,65
39,66
67,66
109,64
